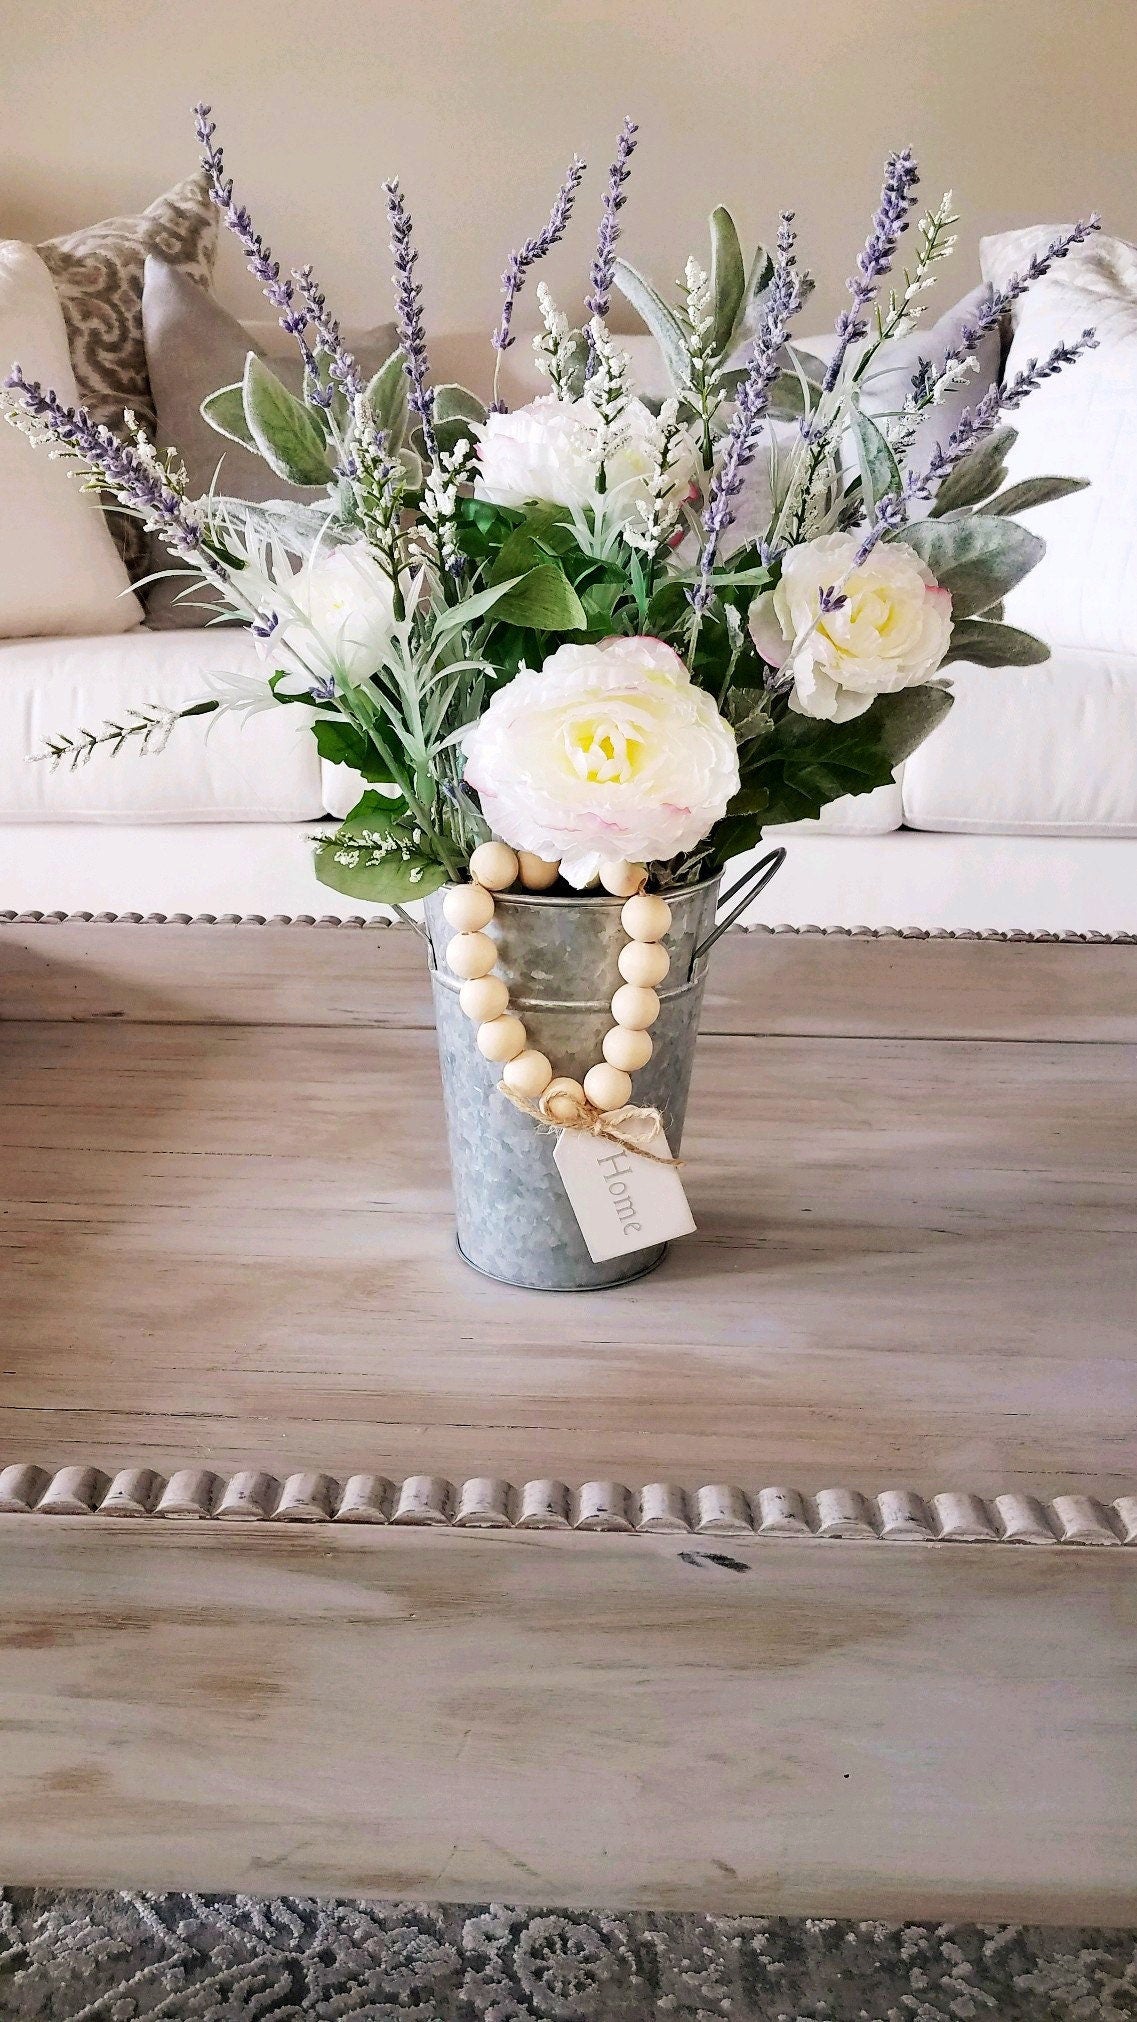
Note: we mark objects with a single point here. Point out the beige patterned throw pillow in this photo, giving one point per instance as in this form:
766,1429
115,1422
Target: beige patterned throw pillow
98,274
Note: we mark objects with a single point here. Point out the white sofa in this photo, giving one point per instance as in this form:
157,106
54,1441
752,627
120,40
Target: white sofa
1019,813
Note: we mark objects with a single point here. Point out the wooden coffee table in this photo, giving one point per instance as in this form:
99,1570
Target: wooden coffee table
799,1577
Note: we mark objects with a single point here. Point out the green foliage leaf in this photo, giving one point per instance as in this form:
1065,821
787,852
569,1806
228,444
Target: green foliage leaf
543,601
342,744
225,411
978,558
518,554
728,276
663,323
388,395
977,476
803,763
382,878
992,645
1035,491
879,472
287,434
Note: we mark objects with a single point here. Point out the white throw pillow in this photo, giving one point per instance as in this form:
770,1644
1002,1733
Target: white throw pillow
59,569
1082,423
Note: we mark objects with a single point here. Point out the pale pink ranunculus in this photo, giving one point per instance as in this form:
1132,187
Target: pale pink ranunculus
891,632
608,751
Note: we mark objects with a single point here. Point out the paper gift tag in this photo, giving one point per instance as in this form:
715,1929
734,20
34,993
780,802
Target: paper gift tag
622,1201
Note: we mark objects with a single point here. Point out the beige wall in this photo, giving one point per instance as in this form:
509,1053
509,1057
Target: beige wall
1026,107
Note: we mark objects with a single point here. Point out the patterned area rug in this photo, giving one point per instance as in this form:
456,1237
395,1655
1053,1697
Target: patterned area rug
78,1957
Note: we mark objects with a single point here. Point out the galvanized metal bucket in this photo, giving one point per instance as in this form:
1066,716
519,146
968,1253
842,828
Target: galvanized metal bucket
559,959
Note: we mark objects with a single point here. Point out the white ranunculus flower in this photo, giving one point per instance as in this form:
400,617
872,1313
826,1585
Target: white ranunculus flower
337,614
550,452
606,752
891,632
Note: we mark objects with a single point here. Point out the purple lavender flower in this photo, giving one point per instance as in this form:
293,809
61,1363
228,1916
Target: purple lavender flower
526,256
604,260
120,468
342,368
1000,299
973,425
830,599
408,312
874,262
783,300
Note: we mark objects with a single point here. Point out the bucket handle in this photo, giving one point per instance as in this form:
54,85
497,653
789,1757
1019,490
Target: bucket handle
415,926
749,884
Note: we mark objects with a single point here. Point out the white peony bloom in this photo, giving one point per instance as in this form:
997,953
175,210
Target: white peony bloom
550,453
336,615
891,631
606,752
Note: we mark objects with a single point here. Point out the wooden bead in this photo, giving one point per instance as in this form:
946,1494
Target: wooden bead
501,1038
528,1073
627,1049
644,962
536,873
622,879
495,866
467,908
562,1099
607,1087
635,1007
484,998
470,955
646,917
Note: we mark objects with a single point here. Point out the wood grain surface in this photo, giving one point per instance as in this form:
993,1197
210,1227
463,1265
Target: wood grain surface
570,1719
226,1248
231,1245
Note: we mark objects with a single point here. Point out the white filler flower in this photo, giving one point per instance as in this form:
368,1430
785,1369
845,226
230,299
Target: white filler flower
607,752
889,630
551,453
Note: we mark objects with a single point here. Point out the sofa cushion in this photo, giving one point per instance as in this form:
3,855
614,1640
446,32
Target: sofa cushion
1082,423
233,767
97,272
59,571
193,347
1032,751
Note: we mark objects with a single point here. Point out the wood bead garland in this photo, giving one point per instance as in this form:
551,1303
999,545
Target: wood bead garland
501,1037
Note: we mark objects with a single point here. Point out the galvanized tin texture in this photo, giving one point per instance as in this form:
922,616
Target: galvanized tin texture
559,958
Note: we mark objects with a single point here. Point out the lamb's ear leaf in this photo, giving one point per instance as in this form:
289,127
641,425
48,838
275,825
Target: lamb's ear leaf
1035,491
978,558
454,411
728,277
387,396
287,434
902,721
986,644
879,472
759,275
663,323
976,476
225,411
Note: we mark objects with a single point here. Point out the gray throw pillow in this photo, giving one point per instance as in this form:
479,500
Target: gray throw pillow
885,387
194,346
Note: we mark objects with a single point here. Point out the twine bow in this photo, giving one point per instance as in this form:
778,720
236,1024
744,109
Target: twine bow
632,1127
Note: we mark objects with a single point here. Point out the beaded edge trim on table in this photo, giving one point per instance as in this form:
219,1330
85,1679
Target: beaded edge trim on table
357,921
718,1510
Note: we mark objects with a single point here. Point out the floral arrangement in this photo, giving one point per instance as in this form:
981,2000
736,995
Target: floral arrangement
604,631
